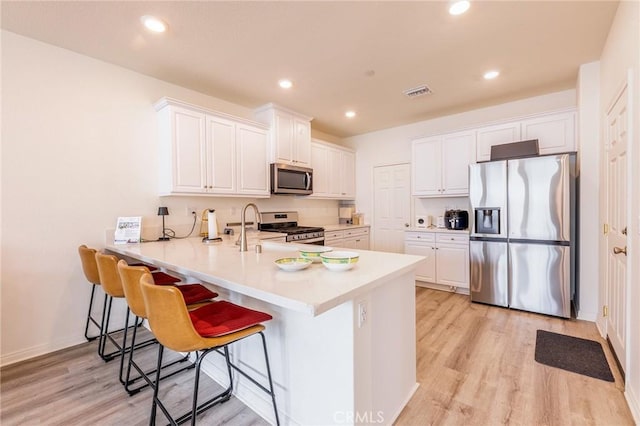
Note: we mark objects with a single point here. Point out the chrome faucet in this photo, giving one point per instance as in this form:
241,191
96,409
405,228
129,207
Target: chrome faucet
243,231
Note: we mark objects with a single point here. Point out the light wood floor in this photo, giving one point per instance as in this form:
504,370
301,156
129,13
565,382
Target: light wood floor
75,387
475,367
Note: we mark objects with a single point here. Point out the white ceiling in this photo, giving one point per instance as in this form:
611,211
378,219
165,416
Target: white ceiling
238,50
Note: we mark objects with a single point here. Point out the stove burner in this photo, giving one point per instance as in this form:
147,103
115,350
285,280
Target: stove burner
287,224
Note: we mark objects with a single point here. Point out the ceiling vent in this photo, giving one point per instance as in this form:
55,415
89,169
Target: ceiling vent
417,91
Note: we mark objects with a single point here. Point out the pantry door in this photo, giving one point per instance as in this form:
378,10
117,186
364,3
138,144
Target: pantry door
616,140
391,205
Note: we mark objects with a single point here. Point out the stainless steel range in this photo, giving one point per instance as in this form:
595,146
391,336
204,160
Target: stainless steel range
287,223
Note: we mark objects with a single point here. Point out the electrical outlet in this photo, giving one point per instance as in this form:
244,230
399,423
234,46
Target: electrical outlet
190,211
362,313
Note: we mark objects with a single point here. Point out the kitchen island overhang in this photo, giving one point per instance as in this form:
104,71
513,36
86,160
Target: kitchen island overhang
341,344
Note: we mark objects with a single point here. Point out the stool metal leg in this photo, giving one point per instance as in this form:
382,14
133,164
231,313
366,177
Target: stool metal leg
129,381
221,397
271,392
106,335
90,319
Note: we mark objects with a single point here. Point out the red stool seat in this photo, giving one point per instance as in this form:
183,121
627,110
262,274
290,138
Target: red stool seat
149,267
194,293
220,318
160,278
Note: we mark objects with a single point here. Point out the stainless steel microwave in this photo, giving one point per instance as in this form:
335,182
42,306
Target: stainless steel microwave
287,179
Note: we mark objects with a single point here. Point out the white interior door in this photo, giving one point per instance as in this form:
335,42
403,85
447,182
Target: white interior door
616,155
392,205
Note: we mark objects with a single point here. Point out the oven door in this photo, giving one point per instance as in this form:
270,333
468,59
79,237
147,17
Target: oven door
319,241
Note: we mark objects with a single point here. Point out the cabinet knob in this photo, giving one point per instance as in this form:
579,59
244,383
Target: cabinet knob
406,225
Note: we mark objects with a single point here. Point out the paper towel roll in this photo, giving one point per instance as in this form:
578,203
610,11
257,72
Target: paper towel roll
212,224
345,212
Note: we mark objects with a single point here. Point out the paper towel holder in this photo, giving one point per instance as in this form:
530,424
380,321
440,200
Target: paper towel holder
204,227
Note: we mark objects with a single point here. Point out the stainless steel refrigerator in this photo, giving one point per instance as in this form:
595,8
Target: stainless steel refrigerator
523,242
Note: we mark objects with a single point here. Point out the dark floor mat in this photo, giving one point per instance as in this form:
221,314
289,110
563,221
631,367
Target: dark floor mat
580,356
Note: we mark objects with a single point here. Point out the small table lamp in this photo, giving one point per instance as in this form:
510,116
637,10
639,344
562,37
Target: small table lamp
163,211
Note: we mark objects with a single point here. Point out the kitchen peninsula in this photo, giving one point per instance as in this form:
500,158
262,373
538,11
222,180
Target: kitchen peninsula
341,344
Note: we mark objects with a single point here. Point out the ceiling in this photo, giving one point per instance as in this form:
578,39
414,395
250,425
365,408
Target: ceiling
358,55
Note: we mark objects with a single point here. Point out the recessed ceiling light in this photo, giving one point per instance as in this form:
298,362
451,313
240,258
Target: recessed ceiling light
154,24
459,7
490,75
350,114
285,83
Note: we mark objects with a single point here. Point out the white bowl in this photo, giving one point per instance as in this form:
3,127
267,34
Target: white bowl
292,263
339,260
313,252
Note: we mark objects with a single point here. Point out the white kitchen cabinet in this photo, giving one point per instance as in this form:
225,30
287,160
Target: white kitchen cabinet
290,135
452,260
333,171
203,152
355,238
253,165
333,238
556,133
320,166
495,135
447,257
347,175
423,244
440,164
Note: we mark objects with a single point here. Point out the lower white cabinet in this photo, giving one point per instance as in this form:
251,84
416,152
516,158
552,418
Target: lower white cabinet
355,238
447,257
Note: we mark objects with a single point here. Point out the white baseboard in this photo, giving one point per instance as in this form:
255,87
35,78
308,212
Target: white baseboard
395,416
244,390
587,315
634,404
38,350
449,288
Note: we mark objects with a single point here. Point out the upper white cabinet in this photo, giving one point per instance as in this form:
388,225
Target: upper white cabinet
333,171
556,132
495,135
290,135
209,153
440,164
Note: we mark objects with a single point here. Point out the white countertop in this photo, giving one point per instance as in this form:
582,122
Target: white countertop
343,226
313,290
438,230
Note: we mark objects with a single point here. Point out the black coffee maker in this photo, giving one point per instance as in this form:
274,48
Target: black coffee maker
456,219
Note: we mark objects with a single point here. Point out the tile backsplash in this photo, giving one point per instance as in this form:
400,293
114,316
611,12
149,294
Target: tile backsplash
311,212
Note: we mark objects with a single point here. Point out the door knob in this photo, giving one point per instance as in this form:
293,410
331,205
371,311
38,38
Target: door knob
618,250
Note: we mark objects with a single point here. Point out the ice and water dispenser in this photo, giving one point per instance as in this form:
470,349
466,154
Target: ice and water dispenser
487,220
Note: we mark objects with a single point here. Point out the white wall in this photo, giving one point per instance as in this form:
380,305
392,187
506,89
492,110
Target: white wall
589,166
79,145
620,59
393,146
